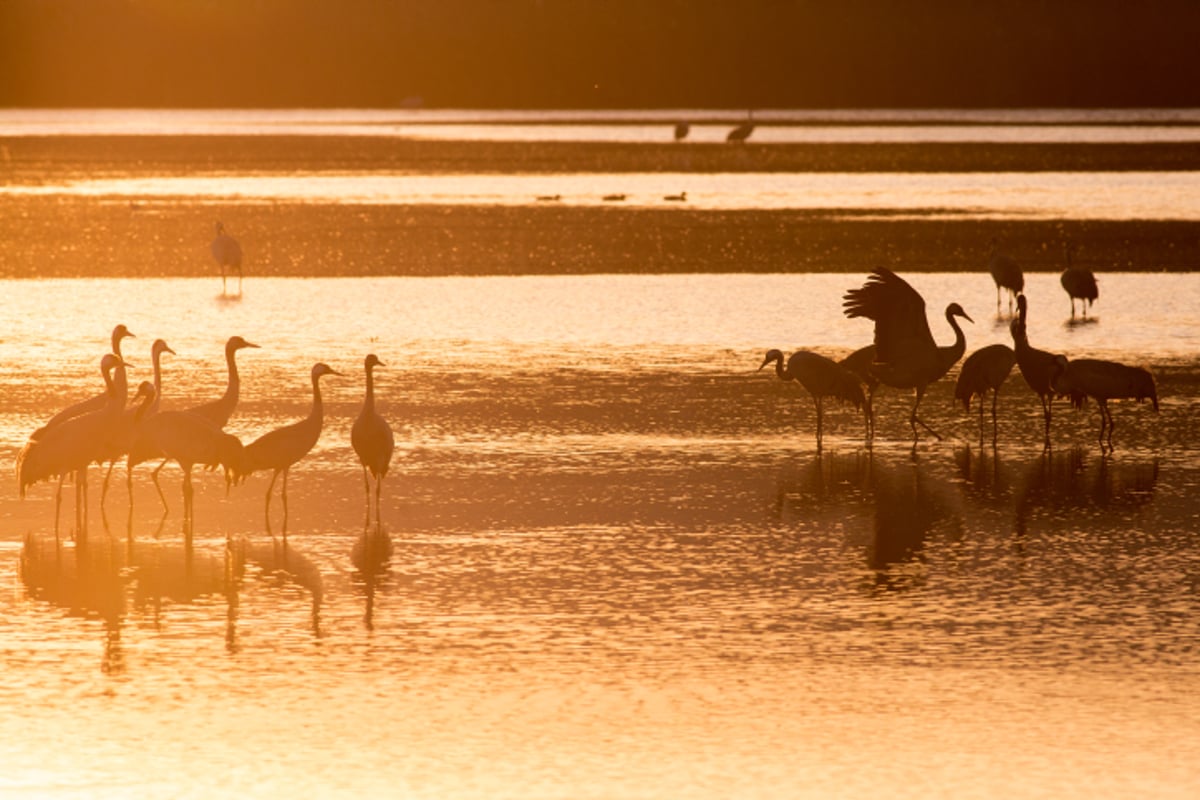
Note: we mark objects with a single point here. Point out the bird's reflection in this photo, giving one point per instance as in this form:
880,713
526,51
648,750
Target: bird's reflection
1066,486
985,478
895,504
279,561
86,581
909,506
371,557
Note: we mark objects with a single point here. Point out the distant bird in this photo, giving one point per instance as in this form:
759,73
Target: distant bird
228,254
1006,273
1037,366
906,355
71,445
676,198
1079,283
821,377
613,198
681,131
986,368
279,449
1103,381
220,410
859,362
98,401
742,132
551,198
189,439
372,438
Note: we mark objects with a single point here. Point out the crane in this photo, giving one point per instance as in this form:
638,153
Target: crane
906,355
279,449
372,438
822,377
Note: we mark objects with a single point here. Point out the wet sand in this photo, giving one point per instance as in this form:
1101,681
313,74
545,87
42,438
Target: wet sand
168,237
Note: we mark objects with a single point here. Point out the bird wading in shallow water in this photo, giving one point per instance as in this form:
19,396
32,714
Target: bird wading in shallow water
228,254
1037,366
1102,381
985,369
371,437
906,356
1007,275
1078,283
279,449
822,377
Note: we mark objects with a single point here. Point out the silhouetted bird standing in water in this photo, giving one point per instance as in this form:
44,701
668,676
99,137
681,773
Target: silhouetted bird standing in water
859,362
1079,283
279,449
681,131
372,439
1007,274
1037,366
986,368
822,377
742,132
228,254
71,445
906,356
189,439
1102,381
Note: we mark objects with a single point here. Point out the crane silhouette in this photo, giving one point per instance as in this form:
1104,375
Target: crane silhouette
124,432
136,447
279,449
1102,381
1079,283
906,355
371,437
1007,275
1037,366
822,377
228,253
742,132
71,445
859,362
189,439
216,411
220,410
986,368
96,402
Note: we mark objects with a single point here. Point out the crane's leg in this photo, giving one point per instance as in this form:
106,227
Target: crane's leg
239,281
871,412
188,494
129,481
270,487
223,280
1072,308
378,491
367,492
914,419
995,424
58,504
104,487
1046,401
820,416
154,477
1111,425
285,508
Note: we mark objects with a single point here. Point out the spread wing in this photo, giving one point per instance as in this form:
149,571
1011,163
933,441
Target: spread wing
898,310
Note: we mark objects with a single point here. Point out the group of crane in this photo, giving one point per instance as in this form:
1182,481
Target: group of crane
107,428
904,355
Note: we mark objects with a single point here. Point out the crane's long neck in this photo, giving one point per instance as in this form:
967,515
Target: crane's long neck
119,390
317,407
153,403
369,400
955,351
231,391
781,370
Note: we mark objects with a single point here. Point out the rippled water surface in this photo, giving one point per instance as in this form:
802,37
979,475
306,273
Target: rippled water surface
613,562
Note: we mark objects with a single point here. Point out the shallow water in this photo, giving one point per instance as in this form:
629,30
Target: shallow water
613,562
1008,195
